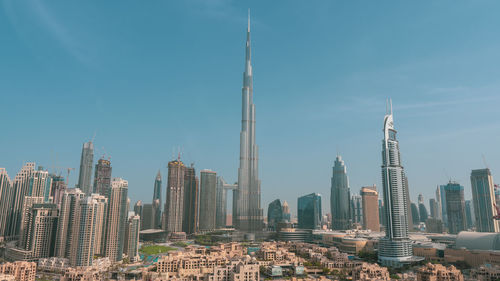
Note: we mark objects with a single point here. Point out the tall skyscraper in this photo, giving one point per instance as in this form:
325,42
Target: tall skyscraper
6,197
433,208
21,189
439,210
175,196
147,217
156,208
469,214
102,176
442,196
249,214
395,248
28,203
369,197
309,211
274,214
86,168
116,219
286,212
39,234
483,196
191,201
87,229
422,210
67,220
208,199
57,189
132,238
356,209
157,187
40,184
221,205
138,208
455,206
415,214
339,196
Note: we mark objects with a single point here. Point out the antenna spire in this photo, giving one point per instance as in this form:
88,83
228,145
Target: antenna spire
390,102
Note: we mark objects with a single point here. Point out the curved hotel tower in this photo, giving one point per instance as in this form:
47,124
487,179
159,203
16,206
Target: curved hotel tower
248,213
395,248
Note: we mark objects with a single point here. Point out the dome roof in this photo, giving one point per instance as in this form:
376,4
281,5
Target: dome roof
478,240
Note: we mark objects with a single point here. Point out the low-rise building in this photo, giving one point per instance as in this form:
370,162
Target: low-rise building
368,271
485,273
21,270
438,272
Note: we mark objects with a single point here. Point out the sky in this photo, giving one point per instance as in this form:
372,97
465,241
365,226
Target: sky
146,79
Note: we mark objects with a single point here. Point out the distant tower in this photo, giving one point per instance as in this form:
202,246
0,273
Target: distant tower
102,177
469,214
138,208
208,199
175,196
439,208
339,198
422,210
132,238
86,167
483,196
369,196
57,188
309,211
415,214
157,190
116,219
356,209
249,214
6,197
156,208
147,217
286,212
442,199
221,206
274,214
395,248
455,205
191,201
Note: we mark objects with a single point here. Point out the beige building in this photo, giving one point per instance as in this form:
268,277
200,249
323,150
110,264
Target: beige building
369,198
7,277
39,230
485,273
116,219
438,272
131,247
82,274
373,272
21,270
67,217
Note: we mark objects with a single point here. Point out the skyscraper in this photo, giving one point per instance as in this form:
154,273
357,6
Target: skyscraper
157,200
433,208
87,228
156,214
369,197
249,214
221,205
157,187
442,196
57,189
40,184
6,196
469,214
21,189
67,219
339,196
395,248
422,210
86,167
356,209
309,211
286,211
208,199
116,219
147,217
39,234
483,196
191,201
415,214
455,206
175,196
138,208
274,214
102,176
439,210
132,238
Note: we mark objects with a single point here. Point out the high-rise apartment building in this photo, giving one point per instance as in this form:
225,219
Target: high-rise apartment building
369,197
339,196
132,238
469,214
102,176
87,229
191,201
274,214
39,234
57,189
248,214
175,196
21,189
6,198
67,220
483,197
147,217
208,199
221,204
356,209
116,218
455,206
86,168
395,248
28,203
309,211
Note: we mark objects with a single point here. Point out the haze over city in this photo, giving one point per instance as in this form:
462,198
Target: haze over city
147,79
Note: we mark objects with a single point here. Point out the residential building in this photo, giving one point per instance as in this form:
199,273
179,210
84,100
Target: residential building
116,218
438,272
6,198
132,238
38,236
483,197
191,201
357,209
21,189
208,200
68,213
102,176
369,196
175,196
21,270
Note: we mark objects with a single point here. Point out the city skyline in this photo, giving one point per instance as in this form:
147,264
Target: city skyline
277,169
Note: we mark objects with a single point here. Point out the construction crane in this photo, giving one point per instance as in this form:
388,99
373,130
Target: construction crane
67,177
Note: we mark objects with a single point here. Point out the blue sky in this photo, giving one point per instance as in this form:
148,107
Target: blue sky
149,76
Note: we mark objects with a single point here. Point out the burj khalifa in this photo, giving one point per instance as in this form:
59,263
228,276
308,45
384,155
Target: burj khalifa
248,215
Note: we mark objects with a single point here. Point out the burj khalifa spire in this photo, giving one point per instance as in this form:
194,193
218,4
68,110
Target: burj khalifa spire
248,213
